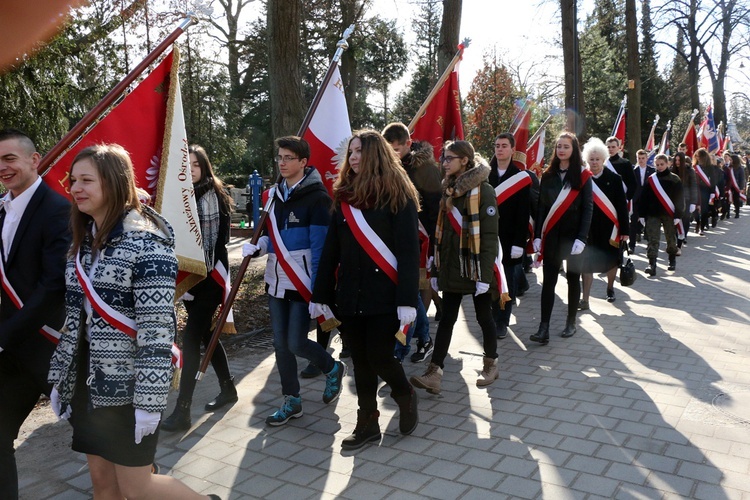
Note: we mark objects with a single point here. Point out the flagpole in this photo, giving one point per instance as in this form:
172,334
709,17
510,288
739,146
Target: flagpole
93,115
439,83
341,46
539,130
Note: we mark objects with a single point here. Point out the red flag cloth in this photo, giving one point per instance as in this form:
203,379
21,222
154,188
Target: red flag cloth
619,129
651,142
441,120
535,154
137,124
690,139
521,135
329,131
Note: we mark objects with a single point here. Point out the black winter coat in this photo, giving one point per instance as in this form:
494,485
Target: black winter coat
624,169
512,214
650,204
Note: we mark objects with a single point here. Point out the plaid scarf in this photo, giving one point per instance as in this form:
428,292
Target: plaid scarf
208,214
469,244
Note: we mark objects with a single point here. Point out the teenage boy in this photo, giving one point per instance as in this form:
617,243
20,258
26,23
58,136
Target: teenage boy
622,166
513,193
295,231
642,172
419,163
662,204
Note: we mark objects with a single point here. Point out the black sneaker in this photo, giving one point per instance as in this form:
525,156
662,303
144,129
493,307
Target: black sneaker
423,351
610,295
501,331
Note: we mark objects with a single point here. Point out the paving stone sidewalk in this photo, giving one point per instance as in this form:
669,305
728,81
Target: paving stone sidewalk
650,399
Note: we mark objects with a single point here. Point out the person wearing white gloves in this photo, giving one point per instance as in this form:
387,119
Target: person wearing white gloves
112,367
513,195
464,259
561,234
371,282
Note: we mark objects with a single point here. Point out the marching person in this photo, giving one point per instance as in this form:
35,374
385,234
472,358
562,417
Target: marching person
736,183
642,172
562,228
214,207
466,246
662,206
513,195
35,237
609,222
112,368
621,166
295,233
707,175
684,170
369,276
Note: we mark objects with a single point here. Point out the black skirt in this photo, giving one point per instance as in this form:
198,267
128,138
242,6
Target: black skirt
600,258
108,432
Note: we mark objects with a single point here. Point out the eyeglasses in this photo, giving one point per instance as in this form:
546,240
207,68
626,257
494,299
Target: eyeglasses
285,159
449,158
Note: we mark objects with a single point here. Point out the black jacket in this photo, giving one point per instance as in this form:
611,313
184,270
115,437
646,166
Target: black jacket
639,186
426,177
359,286
575,222
650,204
625,170
512,214
601,226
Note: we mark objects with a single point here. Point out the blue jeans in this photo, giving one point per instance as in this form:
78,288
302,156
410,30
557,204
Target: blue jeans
420,328
290,322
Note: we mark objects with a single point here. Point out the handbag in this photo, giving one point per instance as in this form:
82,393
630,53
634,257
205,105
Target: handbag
627,271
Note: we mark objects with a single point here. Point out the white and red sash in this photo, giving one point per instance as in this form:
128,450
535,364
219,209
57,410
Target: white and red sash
424,251
562,203
374,247
605,205
294,272
611,167
123,323
221,276
47,332
666,202
736,186
511,186
705,180
455,218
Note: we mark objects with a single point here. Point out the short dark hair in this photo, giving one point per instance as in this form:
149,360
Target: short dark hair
396,132
298,145
509,136
613,138
12,133
662,157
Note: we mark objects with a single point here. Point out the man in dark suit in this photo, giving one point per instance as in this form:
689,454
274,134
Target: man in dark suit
622,166
35,239
641,173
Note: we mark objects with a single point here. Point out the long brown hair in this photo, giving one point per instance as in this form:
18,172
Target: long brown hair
381,181
575,164
209,180
117,180
702,158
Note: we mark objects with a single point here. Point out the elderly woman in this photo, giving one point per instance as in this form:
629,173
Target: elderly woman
609,222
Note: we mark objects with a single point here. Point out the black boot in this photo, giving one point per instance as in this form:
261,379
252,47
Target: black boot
651,269
179,420
367,430
408,416
570,328
672,263
542,335
227,395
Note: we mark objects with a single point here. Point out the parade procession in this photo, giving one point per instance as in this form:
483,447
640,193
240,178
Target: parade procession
367,250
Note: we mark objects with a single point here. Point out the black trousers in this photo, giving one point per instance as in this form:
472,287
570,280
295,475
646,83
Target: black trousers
19,391
451,305
371,339
198,329
550,273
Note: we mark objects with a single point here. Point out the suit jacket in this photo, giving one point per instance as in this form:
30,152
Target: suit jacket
639,186
625,169
36,270
512,215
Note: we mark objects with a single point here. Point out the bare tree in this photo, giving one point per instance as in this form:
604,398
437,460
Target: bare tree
449,32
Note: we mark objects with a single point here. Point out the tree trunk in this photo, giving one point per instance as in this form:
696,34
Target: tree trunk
449,32
633,119
694,59
572,65
350,10
287,109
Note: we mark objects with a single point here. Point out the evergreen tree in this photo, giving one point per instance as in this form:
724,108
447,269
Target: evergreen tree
653,86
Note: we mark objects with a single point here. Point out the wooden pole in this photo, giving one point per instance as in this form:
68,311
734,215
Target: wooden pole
341,46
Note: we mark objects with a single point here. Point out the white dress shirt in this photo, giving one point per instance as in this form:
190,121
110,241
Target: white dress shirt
14,208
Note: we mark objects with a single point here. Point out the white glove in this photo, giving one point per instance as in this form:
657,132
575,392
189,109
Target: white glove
516,252
54,399
691,208
406,315
316,310
429,262
677,221
145,424
186,297
434,284
578,247
261,248
642,221
482,288
537,245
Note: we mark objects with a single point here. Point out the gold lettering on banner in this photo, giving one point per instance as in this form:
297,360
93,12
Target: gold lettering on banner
64,182
457,99
182,174
441,122
339,85
187,194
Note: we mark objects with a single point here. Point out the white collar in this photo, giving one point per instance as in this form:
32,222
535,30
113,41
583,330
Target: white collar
20,202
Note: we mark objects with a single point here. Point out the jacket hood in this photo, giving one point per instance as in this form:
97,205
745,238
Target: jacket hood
466,181
422,154
149,221
312,181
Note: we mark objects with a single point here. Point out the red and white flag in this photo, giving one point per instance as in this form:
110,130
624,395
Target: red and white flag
691,136
441,119
535,153
651,142
329,131
149,124
619,129
521,136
